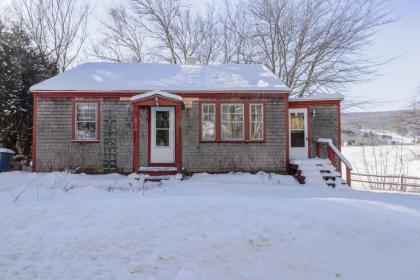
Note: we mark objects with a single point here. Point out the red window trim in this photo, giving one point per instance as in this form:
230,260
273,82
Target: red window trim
247,122
98,125
244,128
201,120
263,120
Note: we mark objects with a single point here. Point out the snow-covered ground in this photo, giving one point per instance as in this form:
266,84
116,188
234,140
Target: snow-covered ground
384,160
234,226
394,136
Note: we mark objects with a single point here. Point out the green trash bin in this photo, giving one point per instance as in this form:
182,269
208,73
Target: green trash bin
5,159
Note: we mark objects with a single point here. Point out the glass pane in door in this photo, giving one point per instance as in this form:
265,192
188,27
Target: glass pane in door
162,119
162,128
298,139
162,137
297,121
297,130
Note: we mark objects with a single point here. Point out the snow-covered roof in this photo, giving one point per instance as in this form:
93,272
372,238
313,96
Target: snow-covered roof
319,96
105,76
156,92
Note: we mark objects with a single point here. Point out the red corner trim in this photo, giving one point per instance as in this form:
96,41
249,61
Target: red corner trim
308,116
34,131
136,125
178,137
287,135
339,133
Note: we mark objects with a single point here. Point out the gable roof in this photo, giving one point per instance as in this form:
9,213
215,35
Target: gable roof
104,76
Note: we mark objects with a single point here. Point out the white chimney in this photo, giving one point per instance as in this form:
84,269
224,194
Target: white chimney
190,60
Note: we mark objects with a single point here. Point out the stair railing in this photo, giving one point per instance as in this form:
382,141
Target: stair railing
333,153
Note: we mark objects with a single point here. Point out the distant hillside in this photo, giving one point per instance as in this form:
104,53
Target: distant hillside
382,127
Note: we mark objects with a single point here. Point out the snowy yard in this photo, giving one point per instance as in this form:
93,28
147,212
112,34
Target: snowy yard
384,160
234,226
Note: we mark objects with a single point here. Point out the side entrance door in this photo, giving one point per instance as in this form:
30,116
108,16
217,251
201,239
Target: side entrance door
162,148
298,133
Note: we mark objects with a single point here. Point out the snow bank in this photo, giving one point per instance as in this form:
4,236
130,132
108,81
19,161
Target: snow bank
231,226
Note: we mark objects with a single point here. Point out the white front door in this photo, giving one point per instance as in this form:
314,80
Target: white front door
298,135
162,149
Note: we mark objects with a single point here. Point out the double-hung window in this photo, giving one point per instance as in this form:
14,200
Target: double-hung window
256,121
86,126
232,122
208,122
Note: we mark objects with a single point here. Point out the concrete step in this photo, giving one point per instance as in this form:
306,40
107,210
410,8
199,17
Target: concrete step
316,170
158,170
332,185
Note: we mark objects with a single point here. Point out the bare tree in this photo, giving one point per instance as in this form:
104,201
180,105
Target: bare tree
414,120
317,45
58,28
122,37
407,121
208,51
236,33
172,30
160,16
312,45
188,33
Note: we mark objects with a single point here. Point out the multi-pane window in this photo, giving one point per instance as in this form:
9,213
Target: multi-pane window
256,121
85,122
232,121
208,125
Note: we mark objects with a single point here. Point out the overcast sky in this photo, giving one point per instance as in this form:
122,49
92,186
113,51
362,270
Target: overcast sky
400,77
400,40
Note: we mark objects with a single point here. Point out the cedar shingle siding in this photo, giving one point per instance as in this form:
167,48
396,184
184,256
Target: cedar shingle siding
56,151
223,157
324,124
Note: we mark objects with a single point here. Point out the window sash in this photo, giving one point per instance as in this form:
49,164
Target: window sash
208,122
256,121
236,121
232,119
85,118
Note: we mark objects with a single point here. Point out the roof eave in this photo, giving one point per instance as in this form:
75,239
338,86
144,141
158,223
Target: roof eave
315,99
288,91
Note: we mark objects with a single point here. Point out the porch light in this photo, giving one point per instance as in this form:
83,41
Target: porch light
313,113
157,101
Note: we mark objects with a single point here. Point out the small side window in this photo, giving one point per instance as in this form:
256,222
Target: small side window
208,126
86,122
256,121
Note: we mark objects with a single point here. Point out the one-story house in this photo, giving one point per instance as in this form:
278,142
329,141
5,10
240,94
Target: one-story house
122,117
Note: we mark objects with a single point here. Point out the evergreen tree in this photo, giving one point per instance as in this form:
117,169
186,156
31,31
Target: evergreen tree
21,66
